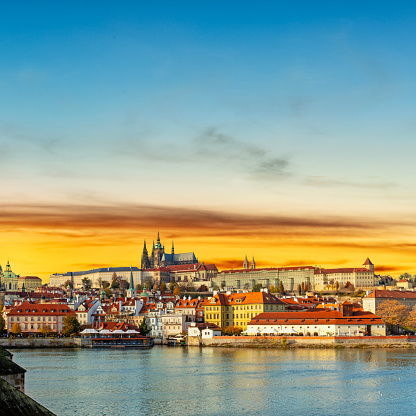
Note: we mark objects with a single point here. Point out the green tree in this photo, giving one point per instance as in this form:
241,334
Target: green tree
2,321
172,285
105,284
71,325
257,287
406,276
69,283
115,281
139,286
162,287
148,283
144,330
16,329
86,283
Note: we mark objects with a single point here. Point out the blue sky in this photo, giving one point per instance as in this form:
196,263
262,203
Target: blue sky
294,108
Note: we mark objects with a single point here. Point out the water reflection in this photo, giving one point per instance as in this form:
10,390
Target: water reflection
181,381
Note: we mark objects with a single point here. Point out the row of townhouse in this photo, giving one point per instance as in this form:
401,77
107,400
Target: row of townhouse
31,317
237,309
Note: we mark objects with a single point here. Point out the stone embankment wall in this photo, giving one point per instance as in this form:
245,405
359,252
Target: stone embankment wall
307,342
42,342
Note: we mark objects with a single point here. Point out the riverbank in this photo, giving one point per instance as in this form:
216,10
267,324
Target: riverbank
399,341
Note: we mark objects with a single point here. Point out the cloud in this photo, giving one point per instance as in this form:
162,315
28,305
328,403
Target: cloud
16,136
390,268
79,221
257,160
211,147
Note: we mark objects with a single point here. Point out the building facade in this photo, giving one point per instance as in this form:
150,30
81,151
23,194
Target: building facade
246,279
237,309
345,322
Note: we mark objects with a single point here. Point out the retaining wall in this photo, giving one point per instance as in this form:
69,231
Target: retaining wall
41,342
308,342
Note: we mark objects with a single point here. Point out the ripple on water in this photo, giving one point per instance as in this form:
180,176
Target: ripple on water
215,381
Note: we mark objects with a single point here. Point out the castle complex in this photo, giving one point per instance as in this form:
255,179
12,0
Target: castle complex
158,257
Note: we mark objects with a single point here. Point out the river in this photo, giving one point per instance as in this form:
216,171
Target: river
221,381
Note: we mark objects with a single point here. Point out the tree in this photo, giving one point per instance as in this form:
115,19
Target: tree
203,288
299,289
337,285
69,283
393,313
107,292
155,287
2,321
303,286
16,329
124,284
217,288
272,289
148,283
86,283
45,330
177,291
232,330
162,287
406,276
172,285
349,286
411,319
71,325
190,288
257,287
144,330
139,286
281,287
115,281
105,284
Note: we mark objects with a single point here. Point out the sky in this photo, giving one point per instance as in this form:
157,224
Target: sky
280,130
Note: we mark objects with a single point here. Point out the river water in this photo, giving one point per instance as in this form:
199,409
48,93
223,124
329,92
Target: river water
221,381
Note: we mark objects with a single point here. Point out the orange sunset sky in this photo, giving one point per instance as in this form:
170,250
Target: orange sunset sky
233,128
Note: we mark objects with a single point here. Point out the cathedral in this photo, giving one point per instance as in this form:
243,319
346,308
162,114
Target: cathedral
158,257
8,279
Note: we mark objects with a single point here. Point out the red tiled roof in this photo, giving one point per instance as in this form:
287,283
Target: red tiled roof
392,294
28,308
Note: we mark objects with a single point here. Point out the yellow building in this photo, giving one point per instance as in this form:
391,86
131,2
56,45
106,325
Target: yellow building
237,309
31,283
